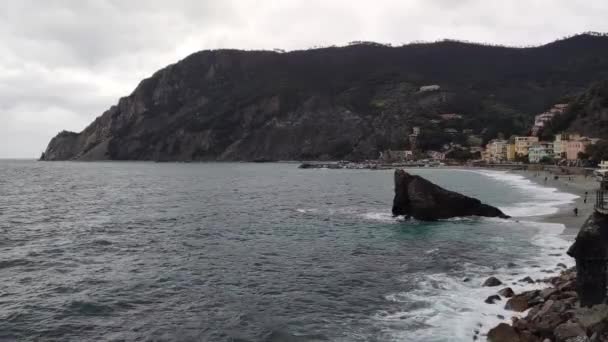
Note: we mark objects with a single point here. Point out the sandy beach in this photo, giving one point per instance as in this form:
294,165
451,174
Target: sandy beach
573,184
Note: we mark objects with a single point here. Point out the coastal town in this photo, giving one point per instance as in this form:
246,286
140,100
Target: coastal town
567,149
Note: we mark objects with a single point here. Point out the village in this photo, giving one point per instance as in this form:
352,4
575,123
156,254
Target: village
565,149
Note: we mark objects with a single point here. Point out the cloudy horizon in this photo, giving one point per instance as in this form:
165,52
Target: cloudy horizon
63,63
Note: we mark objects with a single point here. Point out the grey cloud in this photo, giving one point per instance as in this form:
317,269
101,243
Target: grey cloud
63,62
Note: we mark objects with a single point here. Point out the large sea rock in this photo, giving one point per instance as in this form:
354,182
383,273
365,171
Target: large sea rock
418,198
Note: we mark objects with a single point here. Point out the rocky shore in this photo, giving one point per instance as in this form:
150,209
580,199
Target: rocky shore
553,313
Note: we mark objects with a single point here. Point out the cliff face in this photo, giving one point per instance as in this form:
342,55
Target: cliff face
331,103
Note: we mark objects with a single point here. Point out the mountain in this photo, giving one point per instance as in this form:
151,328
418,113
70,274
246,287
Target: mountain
334,103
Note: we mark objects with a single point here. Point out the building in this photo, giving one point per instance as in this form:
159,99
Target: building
540,150
433,87
390,156
450,116
559,108
576,146
496,151
436,155
541,120
559,146
522,144
451,131
511,152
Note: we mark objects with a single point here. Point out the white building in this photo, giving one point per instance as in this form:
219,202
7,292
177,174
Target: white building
433,87
540,150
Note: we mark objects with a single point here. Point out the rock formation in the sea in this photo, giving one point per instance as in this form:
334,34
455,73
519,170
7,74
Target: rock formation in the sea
590,249
333,103
418,198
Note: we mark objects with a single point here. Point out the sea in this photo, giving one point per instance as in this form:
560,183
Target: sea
245,252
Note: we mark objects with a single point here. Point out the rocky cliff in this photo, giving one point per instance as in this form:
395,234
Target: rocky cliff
333,103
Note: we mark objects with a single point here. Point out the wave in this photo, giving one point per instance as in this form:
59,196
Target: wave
445,307
544,200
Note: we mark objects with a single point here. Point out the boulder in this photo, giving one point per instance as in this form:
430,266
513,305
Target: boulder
517,303
548,292
570,331
527,280
492,299
507,292
418,198
594,319
503,333
492,281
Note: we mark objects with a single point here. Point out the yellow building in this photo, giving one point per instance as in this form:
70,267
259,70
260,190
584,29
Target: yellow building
511,152
522,144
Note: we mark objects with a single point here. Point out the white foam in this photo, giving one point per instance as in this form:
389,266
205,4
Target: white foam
306,211
382,216
545,200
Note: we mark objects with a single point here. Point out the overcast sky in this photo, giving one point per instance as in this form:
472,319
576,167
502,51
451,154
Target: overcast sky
62,63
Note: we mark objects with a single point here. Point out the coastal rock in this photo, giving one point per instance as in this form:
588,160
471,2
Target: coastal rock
570,332
507,292
503,333
548,292
590,249
492,299
517,303
492,281
418,198
527,280
594,319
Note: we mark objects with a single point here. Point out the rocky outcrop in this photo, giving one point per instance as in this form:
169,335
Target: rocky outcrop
418,198
590,249
337,103
554,314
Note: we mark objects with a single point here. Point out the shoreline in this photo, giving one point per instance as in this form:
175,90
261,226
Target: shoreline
573,184
552,311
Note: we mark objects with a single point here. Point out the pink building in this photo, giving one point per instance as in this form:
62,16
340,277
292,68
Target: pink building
574,147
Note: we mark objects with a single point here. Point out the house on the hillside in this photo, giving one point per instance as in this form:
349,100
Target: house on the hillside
450,116
433,87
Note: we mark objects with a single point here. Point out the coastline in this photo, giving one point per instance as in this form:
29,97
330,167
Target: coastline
552,311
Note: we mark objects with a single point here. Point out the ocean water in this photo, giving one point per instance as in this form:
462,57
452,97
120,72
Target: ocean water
256,252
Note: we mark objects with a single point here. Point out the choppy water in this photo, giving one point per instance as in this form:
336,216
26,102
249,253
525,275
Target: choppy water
253,252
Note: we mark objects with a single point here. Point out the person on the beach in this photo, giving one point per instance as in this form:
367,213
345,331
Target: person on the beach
585,200
545,179
575,211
